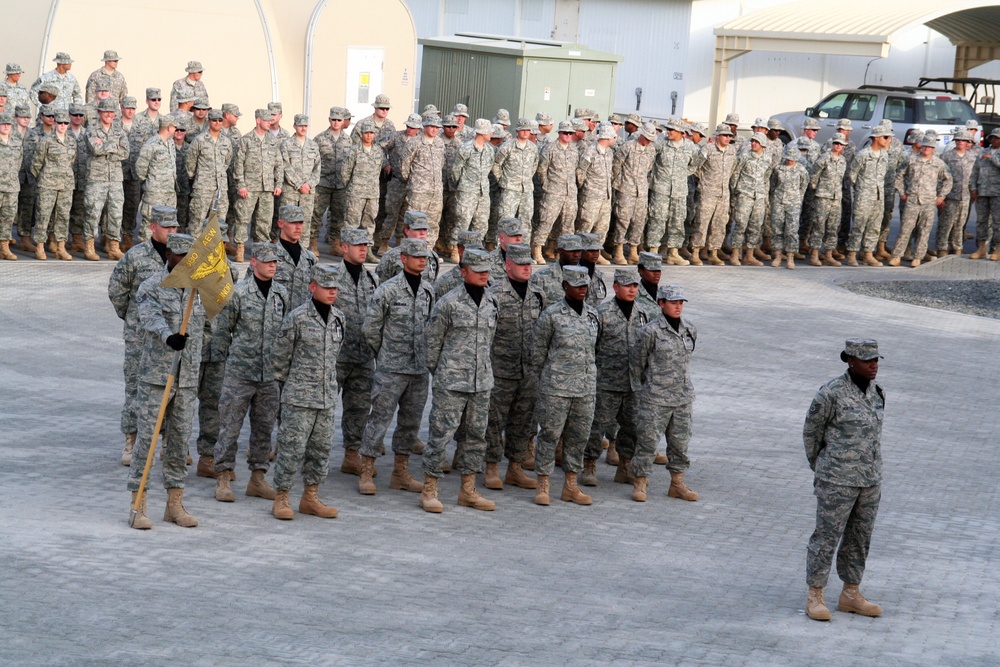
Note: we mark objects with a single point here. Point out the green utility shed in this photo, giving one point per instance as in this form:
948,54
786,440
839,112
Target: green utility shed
524,76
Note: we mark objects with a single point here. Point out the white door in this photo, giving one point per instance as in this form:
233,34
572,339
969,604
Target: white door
364,79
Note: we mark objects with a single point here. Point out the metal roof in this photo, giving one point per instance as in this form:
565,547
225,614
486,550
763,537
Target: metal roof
518,46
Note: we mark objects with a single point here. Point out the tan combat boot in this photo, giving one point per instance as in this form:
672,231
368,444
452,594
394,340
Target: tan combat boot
453,253
851,600
816,608
549,251
655,249
713,257
571,493
639,489
206,466
852,258
660,459
238,255
542,492
602,260
829,259
489,246
224,488
139,520
779,256
26,245
429,496
882,252
469,497
370,258
516,477
491,478
633,254
751,258
352,462
623,475
893,262
114,250
335,249
618,257
612,456
536,254
175,512
258,487
589,476
673,258
88,251
761,253
814,258
417,447
127,449
314,246
127,242
790,261
282,509
383,248
868,259
366,486
76,243
401,478
529,461
311,504
678,489
995,255
980,251
734,257
696,257
61,252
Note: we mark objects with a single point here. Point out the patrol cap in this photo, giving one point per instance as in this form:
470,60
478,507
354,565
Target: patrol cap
510,227
414,248
367,125
182,121
566,126
103,83
50,88
775,124
930,138
791,153
166,120
431,120
635,119
274,107
839,138
415,220
382,102
107,105
184,96
14,68
22,111
810,124
543,118
470,239
759,137
732,119
46,110
864,349
476,259
450,121
570,242
626,276
523,124
262,114
110,56
128,102
265,252
357,236
201,103
62,116
607,132
180,244
723,129
886,131
483,126
62,58
576,276
413,121
519,253
194,66
154,94
649,131
758,122
844,124
460,110
291,213
585,114
326,275
963,135
164,216
77,110
650,261
300,119
670,293
498,132
229,107
590,241
502,117
615,119
338,113
6,118
215,114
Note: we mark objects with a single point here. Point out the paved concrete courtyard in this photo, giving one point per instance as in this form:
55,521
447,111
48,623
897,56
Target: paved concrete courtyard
717,582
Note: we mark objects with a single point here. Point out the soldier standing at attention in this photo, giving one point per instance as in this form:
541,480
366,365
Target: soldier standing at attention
663,356
160,312
190,86
10,165
108,147
459,339
295,262
514,165
356,363
208,157
257,170
394,204
452,144
675,162
304,363
630,180
361,173
395,329
718,159
156,168
749,184
589,259
842,436
471,174
334,146
923,183
422,167
788,188
557,161
951,224
301,165
244,334
827,185
415,226
593,177
566,335
866,177
52,164
985,193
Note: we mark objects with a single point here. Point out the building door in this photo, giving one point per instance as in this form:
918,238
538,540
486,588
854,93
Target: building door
364,79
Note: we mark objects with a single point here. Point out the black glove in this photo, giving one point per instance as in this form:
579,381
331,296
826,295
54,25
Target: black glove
177,341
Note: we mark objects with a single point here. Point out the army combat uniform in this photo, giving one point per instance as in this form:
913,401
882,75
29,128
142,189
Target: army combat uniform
257,167
52,165
923,181
788,188
104,190
954,215
300,166
360,174
557,177
206,162
471,174
827,183
422,167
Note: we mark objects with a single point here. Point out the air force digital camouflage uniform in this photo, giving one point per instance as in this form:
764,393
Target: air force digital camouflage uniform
156,168
986,184
593,177
294,276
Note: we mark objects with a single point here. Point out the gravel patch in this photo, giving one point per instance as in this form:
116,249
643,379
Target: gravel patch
973,297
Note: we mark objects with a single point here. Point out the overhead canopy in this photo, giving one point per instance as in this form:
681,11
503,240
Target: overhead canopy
855,28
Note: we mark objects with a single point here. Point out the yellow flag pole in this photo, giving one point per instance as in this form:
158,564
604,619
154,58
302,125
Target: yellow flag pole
174,368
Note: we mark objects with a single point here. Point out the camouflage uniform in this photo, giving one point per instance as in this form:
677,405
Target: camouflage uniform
459,338
422,167
674,163
391,264
301,166
515,379
187,88
867,175
53,164
451,148
471,174
161,310
10,186
69,90
330,191
395,329
156,169
632,165
107,148
827,184
788,188
986,177
383,129
119,89
206,163
557,176
951,223
77,210
395,197
548,281
713,174
841,435
28,196
361,173
564,358
662,357
304,363
293,276
356,363
258,168
923,181
244,333
513,166
896,161
17,95
749,184
593,176
183,181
